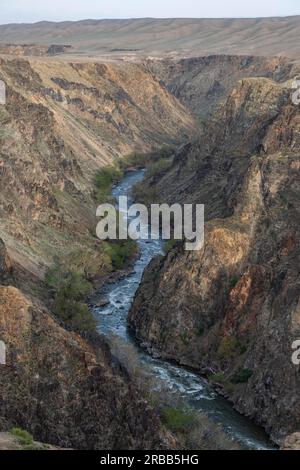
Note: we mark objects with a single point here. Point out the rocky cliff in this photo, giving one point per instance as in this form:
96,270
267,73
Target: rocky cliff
231,310
61,123
33,49
202,82
65,390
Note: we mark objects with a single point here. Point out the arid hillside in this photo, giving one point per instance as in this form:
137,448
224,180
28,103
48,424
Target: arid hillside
61,123
149,36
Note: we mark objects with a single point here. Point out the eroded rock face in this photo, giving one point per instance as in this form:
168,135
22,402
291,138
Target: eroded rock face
5,263
65,391
232,308
292,442
61,123
202,82
33,49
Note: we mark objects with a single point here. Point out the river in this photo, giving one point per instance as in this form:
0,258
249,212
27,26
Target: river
194,389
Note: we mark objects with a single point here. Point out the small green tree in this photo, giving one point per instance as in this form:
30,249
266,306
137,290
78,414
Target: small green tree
241,376
69,290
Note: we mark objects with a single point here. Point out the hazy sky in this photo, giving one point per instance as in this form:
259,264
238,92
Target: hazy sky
18,11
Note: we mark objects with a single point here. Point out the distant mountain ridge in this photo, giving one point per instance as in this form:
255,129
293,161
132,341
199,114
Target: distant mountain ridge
150,36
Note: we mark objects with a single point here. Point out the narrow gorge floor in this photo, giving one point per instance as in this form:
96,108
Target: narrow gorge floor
193,389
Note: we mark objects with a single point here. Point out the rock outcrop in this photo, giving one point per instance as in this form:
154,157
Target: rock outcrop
202,82
64,390
292,442
27,50
231,310
61,123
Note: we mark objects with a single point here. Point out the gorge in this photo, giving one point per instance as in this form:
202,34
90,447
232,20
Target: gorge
229,312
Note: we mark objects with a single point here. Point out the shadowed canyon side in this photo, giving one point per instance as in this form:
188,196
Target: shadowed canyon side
65,390
202,82
231,310
61,123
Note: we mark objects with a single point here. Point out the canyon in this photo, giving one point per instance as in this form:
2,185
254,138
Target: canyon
230,312
61,123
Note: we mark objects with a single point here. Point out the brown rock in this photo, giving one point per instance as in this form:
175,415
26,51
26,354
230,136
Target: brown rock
292,442
64,390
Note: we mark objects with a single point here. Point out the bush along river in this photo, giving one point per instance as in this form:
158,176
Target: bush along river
192,389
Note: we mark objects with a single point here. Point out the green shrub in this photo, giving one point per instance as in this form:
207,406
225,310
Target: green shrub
74,314
89,262
184,338
234,282
24,438
169,245
134,160
177,419
199,330
120,252
202,120
144,194
230,347
142,160
69,290
104,180
218,378
158,167
242,376
229,387
68,284
107,176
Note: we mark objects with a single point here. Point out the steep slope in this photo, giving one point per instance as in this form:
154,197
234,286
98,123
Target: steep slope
202,82
8,441
231,310
61,123
64,390
176,36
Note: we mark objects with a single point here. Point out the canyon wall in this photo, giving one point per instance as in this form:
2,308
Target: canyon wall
202,82
61,123
231,310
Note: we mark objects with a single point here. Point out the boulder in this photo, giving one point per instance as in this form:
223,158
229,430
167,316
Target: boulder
292,442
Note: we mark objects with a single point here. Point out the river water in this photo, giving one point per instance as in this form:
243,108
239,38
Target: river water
191,387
